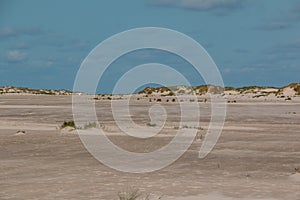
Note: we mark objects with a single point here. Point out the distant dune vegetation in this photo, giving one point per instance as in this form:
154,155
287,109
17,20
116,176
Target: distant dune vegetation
291,90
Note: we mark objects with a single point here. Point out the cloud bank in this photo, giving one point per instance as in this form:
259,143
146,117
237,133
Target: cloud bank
16,56
200,5
7,32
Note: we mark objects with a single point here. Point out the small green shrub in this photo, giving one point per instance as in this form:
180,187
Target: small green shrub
73,125
68,124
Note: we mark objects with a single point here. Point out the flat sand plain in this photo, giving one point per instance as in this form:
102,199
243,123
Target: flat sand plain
255,157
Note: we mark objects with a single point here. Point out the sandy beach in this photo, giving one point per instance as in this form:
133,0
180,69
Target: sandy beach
255,157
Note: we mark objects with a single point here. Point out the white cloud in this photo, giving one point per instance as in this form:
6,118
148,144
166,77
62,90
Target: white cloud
15,32
199,4
16,56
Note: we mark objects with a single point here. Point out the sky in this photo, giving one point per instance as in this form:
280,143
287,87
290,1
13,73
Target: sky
253,42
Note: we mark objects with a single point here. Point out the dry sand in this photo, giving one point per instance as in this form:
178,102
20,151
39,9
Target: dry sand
255,157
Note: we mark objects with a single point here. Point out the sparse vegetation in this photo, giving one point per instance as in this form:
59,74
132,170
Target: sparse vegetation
133,195
151,125
188,127
202,89
88,126
73,125
291,113
19,90
251,88
165,91
229,88
297,170
296,87
234,101
260,95
181,92
68,124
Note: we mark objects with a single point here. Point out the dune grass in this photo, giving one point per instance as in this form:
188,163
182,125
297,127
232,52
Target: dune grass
73,125
133,194
68,124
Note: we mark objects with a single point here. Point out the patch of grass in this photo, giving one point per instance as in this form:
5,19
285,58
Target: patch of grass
68,124
89,125
251,88
133,195
73,125
297,170
297,89
171,93
229,88
260,95
151,125
188,127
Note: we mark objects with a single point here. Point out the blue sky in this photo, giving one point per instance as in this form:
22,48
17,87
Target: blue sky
253,42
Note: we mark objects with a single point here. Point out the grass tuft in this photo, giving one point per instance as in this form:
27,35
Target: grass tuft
73,125
68,124
133,195
188,127
151,125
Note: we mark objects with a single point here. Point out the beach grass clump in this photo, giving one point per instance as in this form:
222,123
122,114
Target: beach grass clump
297,89
68,124
73,125
151,124
88,126
134,194
188,127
